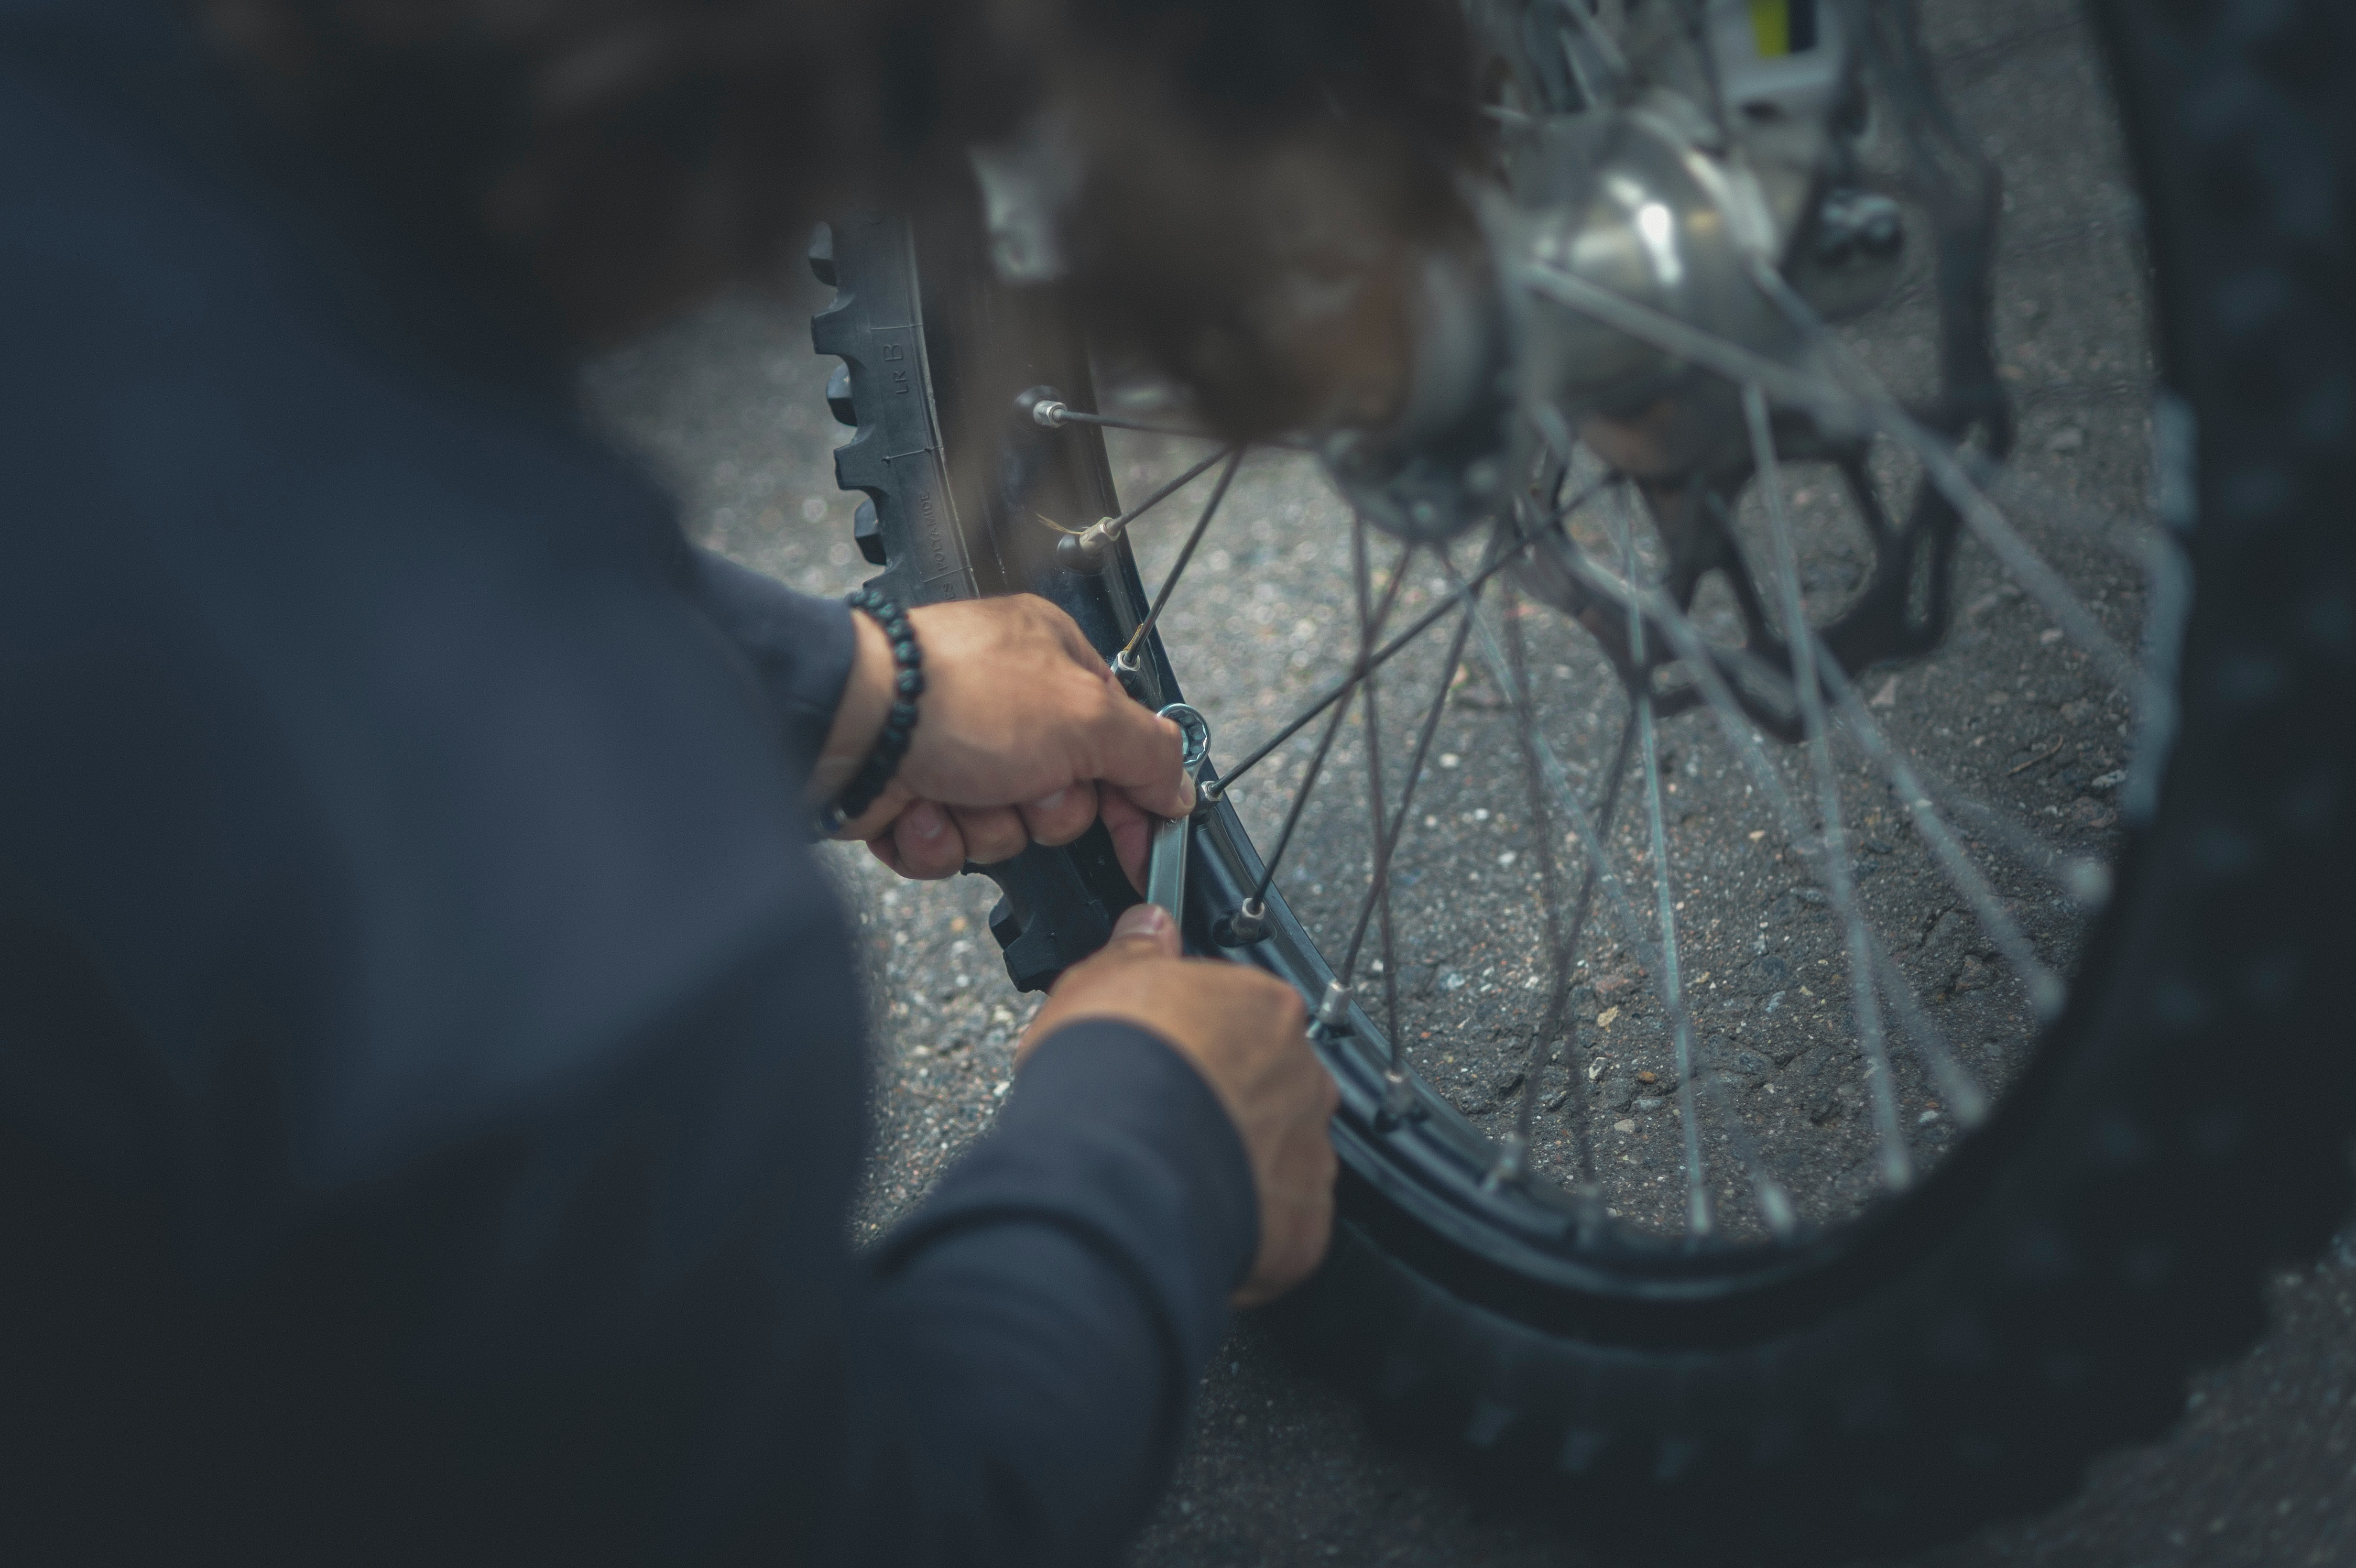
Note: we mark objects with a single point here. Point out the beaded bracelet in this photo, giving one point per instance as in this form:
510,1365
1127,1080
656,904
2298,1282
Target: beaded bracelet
898,725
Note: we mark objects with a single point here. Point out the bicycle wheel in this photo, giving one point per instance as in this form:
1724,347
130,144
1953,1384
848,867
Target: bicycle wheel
1778,1072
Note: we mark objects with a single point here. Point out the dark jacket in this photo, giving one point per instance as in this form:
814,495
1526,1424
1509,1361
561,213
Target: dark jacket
430,1083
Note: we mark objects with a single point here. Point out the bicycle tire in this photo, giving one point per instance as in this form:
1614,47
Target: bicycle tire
2041,1299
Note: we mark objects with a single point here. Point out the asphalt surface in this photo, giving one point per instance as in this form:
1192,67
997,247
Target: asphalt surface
2263,1467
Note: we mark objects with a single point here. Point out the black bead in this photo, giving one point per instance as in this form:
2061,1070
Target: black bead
900,721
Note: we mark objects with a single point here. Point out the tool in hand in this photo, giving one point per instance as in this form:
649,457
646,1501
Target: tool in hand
1165,875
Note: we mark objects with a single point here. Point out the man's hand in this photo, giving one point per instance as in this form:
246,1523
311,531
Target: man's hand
1245,1032
1019,725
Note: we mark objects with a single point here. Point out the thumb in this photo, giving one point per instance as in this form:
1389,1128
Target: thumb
1144,931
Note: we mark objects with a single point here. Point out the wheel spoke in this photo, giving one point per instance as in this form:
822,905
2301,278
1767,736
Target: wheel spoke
1064,416
1964,1097
1559,1002
1697,1206
1600,874
1964,1094
1461,595
1167,490
1941,461
1774,1203
1360,668
1513,1153
1387,839
1698,1221
1566,799
1127,658
1897,1164
1846,413
2085,878
1300,799
1378,887
1599,871
2045,988
1615,895
1398,1102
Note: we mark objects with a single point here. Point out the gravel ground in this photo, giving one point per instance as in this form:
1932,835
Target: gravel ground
729,403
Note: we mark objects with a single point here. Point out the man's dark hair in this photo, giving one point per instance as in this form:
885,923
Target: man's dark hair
624,155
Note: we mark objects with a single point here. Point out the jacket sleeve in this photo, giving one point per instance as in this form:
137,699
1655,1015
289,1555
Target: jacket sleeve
1036,1330
799,647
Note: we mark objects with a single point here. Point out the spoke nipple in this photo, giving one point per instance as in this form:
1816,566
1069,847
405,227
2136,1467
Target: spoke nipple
1398,1107
1512,1164
1334,1012
1242,927
1040,406
1208,793
1085,551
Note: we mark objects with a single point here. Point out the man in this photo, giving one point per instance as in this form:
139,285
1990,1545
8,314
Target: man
429,1072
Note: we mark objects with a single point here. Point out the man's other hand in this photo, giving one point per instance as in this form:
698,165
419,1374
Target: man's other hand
1022,736
1245,1032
